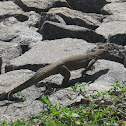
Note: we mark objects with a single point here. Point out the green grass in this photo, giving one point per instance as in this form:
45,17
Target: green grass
82,114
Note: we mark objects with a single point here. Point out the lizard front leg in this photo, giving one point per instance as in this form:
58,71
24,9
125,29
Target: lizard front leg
89,66
64,71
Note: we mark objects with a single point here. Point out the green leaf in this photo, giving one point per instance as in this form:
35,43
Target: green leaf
45,99
74,115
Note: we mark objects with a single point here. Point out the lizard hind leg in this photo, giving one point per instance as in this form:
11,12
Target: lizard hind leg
64,71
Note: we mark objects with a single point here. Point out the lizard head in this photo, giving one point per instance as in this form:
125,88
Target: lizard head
101,53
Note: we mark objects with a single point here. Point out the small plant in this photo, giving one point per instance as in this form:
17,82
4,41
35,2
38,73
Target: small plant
19,95
80,115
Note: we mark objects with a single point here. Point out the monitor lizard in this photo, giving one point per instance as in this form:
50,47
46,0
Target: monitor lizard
63,66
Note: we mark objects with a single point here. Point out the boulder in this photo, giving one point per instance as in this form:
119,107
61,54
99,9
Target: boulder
47,52
9,9
117,52
52,30
115,17
114,8
108,71
113,31
33,20
67,96
90,6
11,30
45,16
19,110
9,51
74,17
40,5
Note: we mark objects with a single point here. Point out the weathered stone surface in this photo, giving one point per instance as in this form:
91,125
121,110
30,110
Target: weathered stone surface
9,51
11,30
18,76
40,5
114,8
107,71
74,17
52,30
67,96
90,6
9,8
46,52
113,31
45,16
115,50
33,19
115,17
19,110
98,17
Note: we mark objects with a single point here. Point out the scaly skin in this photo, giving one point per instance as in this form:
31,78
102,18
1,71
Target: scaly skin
63,66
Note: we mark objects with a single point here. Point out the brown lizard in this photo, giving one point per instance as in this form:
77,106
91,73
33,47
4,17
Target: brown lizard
63,66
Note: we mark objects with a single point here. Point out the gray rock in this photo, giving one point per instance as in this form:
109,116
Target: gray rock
9,8
67,96
33,19
114,8
116,51
113,31
115,17
19,110
108,71
40,5
52,30
9,51
90,6
45,16
46,52
74,17
11,30
98,17
18,76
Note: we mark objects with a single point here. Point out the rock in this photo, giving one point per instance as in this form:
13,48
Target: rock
98,17
11,30
19,110
114,8
9,51
65,97
88,6
40,5
113,31
74,17
68,97
33,20
98,86
9,9
116,51
46,52
52,30
45,16
115,17
108,71
18,76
